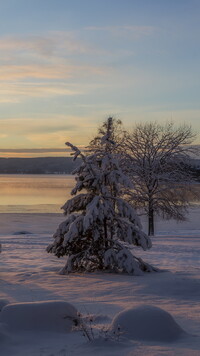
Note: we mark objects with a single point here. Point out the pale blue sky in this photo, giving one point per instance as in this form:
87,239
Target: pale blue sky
65,65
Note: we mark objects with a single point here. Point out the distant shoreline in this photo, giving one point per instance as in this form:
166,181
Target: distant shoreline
39,174
38,165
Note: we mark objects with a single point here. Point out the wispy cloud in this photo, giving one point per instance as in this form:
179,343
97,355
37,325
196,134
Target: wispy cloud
41,45
13,72
45,45
18,91
56,71
27,60
45,131
134,32
21,126
24,81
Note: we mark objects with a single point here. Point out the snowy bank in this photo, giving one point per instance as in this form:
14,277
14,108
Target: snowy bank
29,274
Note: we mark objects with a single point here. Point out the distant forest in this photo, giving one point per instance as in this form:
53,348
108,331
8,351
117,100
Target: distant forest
58,165
39,165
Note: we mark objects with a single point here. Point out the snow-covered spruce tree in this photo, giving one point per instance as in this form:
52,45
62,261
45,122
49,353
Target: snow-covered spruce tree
101,227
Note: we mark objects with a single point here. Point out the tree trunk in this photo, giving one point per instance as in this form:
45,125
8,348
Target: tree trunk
105,234
151,221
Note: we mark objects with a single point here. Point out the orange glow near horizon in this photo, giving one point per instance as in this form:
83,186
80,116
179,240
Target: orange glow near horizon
33,154
66,152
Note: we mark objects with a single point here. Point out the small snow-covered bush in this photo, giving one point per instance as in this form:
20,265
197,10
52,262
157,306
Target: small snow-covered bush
147,323
101,226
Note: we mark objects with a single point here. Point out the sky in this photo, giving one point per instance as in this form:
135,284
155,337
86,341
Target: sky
66,65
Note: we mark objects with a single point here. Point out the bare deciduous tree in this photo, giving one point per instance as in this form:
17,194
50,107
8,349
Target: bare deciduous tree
156,160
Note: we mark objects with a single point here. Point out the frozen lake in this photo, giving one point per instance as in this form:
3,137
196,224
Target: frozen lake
34,193
28,202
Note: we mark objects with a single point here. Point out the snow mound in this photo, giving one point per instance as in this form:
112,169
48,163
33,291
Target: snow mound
3,302
51,316
147,323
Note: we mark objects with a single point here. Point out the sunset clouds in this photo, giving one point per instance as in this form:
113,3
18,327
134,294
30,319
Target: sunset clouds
44,66
27,134
66,66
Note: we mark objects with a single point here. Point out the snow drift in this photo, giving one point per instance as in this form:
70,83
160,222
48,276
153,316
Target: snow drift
51,316
147,323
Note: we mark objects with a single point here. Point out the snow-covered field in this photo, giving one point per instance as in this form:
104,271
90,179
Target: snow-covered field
29,274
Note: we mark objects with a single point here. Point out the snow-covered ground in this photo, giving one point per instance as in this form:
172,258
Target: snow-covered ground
29,274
